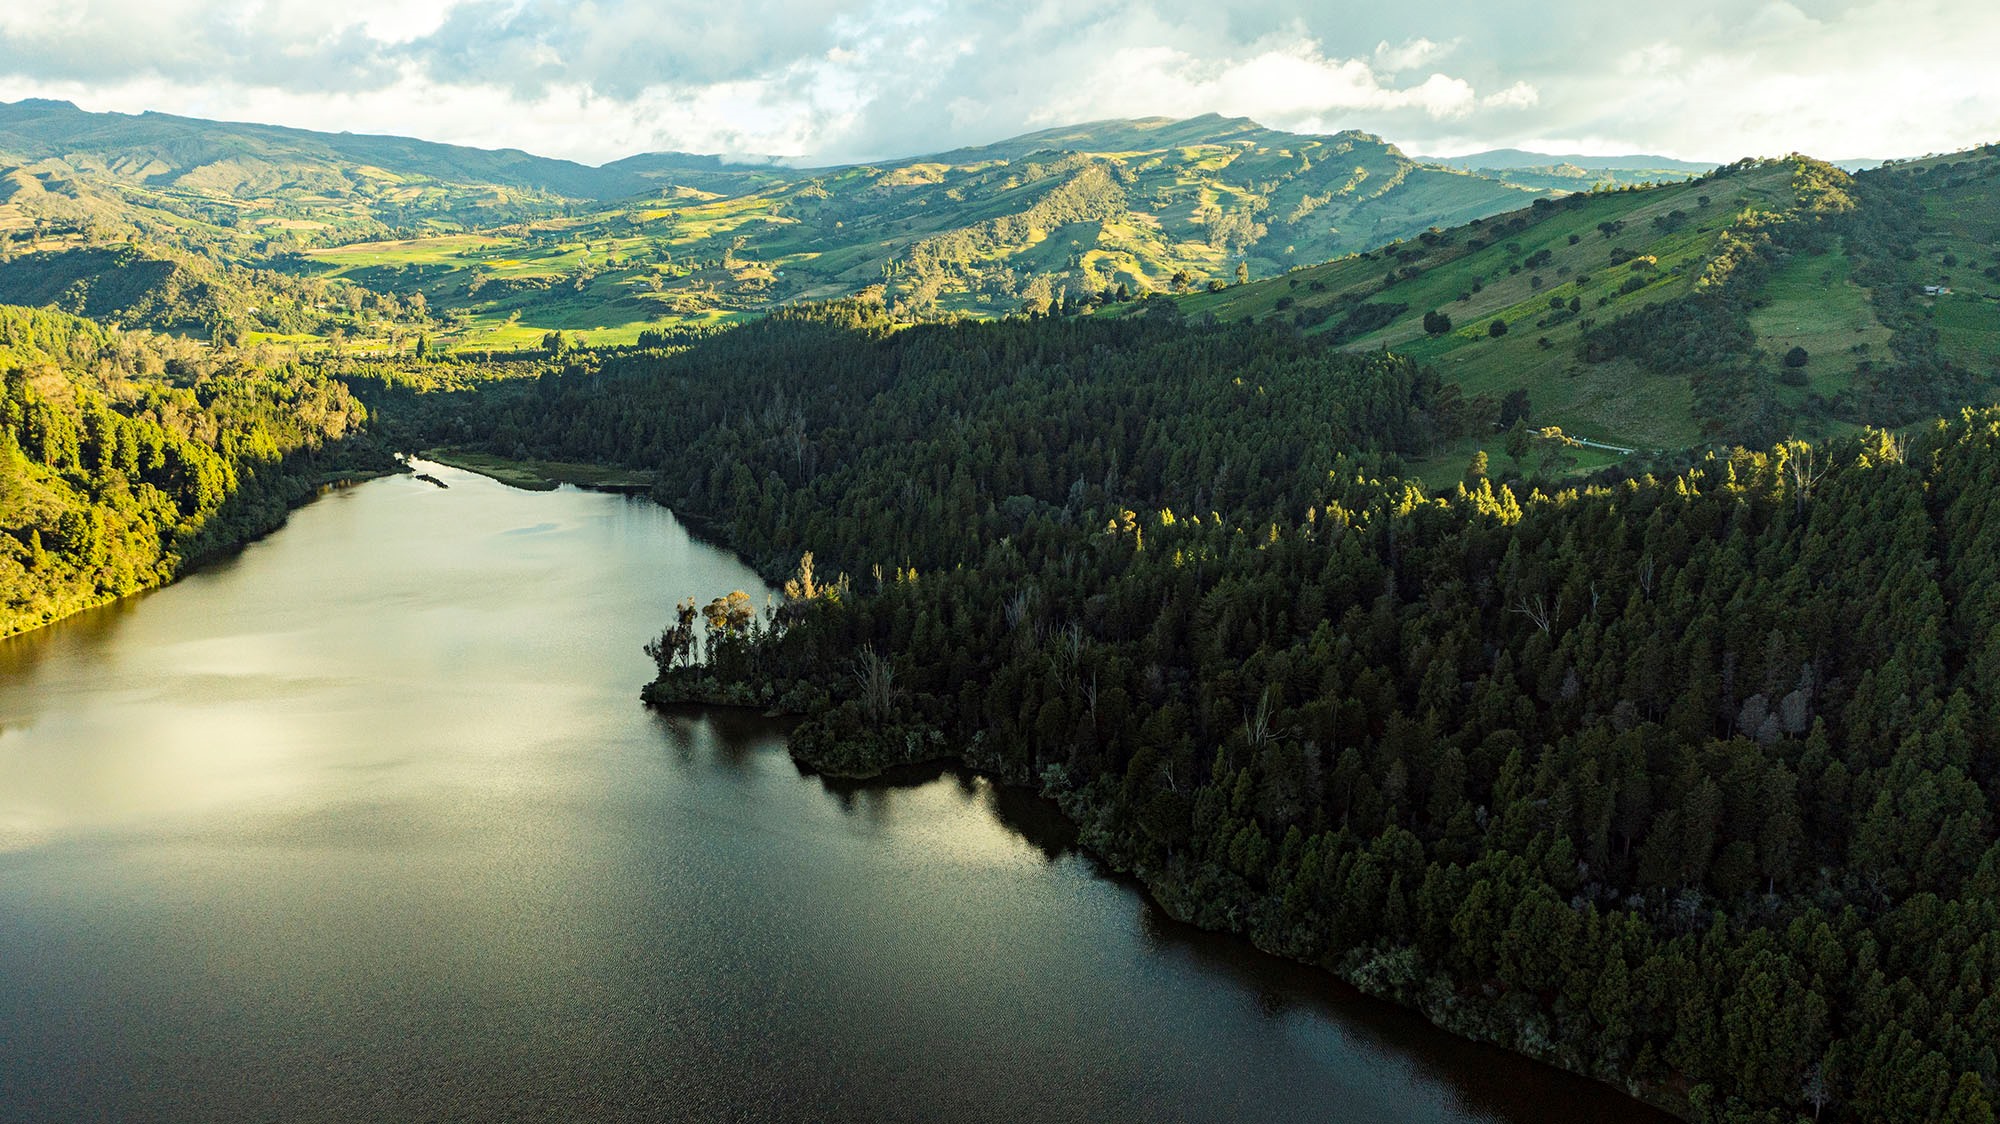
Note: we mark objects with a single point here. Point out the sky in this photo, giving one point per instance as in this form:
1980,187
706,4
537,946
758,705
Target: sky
833,81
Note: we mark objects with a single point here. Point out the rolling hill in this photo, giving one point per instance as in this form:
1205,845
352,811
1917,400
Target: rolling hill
524,244
163,289
1571,172
1767,298
248,188
1043,220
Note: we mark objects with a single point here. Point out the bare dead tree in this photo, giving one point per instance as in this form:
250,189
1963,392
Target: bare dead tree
1805,471
1815,1088
1257,726
1536,611
876,680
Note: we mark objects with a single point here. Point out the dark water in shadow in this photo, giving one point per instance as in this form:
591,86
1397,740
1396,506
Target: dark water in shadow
367,824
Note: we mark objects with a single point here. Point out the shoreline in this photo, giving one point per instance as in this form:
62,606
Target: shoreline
865,764
1166,893
540,476
319,486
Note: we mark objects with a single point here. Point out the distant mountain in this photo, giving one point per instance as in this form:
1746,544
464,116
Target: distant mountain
650,169
1551,172
519,243
241,189
1521,158
159,150
1138,135
1043,220
1572,172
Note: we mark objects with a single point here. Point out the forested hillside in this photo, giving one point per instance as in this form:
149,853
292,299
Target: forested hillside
124,458
132,285
1685,781
994,427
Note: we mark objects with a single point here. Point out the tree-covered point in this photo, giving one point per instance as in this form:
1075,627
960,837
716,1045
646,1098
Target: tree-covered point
124,458
1684,782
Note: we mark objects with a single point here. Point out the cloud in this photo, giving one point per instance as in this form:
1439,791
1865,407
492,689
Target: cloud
1520,95
1276,84
1412,54
853,79
1653,58
1868,78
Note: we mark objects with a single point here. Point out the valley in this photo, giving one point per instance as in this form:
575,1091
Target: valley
1566,614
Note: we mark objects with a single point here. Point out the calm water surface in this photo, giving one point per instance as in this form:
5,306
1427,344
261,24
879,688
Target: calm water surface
369,824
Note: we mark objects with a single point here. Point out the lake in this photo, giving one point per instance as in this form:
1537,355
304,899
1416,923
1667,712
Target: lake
367,823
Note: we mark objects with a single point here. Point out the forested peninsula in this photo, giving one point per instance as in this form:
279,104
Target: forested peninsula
126,458
1680,777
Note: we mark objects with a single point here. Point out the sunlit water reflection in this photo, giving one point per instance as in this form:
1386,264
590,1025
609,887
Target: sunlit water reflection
369,824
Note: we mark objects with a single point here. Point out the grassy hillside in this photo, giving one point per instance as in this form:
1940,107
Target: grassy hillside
1047,220
1627,320
1951,209
68,174
1766,298
522,246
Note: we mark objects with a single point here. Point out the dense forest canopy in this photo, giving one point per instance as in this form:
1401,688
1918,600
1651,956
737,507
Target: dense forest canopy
1683,780
125,457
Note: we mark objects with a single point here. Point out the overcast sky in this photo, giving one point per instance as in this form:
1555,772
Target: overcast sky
841,80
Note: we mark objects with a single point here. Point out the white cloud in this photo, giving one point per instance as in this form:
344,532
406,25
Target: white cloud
1872,79
1275,86
1778,20
846,79
1411,54
1653,58
1520,95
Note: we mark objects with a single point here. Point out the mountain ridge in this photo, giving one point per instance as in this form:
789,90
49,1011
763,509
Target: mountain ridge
1527,158
625,176
28,133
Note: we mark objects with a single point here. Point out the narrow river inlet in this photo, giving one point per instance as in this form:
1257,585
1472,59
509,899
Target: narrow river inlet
368,823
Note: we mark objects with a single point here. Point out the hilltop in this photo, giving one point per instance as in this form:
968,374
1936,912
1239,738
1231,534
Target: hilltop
522,244
164,289
1571,171
1766,298
1047,220
163,150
